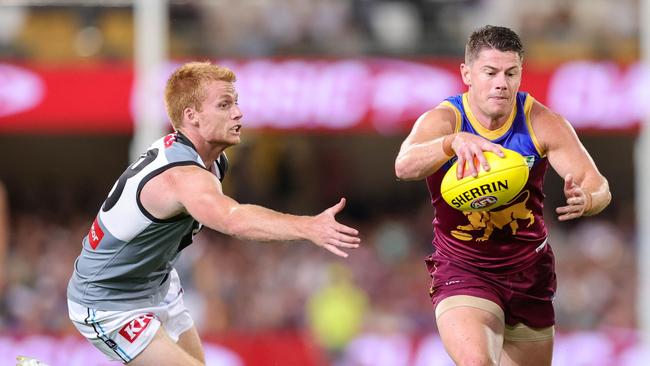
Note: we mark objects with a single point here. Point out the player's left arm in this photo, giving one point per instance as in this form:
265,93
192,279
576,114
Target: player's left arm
585,188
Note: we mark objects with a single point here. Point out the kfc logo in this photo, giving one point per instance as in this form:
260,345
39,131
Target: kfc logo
170,139
95,234
135,327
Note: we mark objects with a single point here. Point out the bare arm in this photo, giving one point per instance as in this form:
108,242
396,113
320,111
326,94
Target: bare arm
432,142
425,148
197,192
586,190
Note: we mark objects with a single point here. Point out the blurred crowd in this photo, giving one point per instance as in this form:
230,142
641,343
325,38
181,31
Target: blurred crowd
52,31
235,286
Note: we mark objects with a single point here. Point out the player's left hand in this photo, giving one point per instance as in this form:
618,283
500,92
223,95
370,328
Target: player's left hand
578,201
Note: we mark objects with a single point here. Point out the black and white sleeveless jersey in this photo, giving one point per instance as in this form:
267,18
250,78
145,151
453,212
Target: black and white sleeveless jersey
127,255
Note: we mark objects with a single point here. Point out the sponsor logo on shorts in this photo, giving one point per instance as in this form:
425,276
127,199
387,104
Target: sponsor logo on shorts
95,234
132,330
110,343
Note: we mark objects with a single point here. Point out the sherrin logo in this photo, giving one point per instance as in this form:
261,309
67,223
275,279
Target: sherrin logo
482,192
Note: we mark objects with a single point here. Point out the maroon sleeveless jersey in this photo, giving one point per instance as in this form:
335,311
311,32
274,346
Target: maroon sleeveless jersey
505,239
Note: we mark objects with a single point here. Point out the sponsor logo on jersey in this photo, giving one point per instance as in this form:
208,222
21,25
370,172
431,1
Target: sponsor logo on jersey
132,330
508,218
170,139
95,234
530,161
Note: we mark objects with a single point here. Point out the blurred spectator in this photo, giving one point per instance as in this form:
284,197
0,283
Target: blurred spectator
598,278
12,19
552,29
335,311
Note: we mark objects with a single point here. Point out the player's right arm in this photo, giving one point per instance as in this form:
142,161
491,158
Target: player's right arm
433,141
428,146
197,192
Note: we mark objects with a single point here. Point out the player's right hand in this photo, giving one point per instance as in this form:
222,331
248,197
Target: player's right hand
469,149
328,233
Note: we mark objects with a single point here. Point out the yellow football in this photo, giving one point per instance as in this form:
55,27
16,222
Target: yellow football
489,189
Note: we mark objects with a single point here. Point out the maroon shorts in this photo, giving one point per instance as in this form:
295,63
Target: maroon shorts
525,296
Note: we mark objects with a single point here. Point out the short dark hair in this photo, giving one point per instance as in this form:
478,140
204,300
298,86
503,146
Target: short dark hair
493,37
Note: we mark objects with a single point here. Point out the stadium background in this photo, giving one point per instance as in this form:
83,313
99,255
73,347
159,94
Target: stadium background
337,84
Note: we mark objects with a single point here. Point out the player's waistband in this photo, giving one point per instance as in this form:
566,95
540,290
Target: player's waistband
495,265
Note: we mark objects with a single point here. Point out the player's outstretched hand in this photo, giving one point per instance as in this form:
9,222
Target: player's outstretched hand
578,201
469,149
324,231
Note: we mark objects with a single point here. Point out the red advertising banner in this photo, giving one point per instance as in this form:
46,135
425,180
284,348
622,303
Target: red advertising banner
72,99
269,349
612,347
376,95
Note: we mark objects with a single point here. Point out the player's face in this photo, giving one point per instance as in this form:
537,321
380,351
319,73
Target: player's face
220,116
493,79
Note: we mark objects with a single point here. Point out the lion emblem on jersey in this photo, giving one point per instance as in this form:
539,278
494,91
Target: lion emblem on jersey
506,218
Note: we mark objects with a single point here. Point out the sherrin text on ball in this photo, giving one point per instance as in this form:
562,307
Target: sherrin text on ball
489,189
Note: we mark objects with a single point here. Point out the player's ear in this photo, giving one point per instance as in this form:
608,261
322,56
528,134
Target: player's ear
464,73
189,114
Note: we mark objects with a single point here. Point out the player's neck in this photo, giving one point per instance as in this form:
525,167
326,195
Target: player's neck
487,121
491,123
208,152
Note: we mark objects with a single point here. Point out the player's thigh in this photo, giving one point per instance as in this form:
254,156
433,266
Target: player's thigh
533,353
163,351
471,329
191,343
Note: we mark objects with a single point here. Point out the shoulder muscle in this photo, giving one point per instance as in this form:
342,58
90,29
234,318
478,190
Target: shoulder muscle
164,196
550,128
434,123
